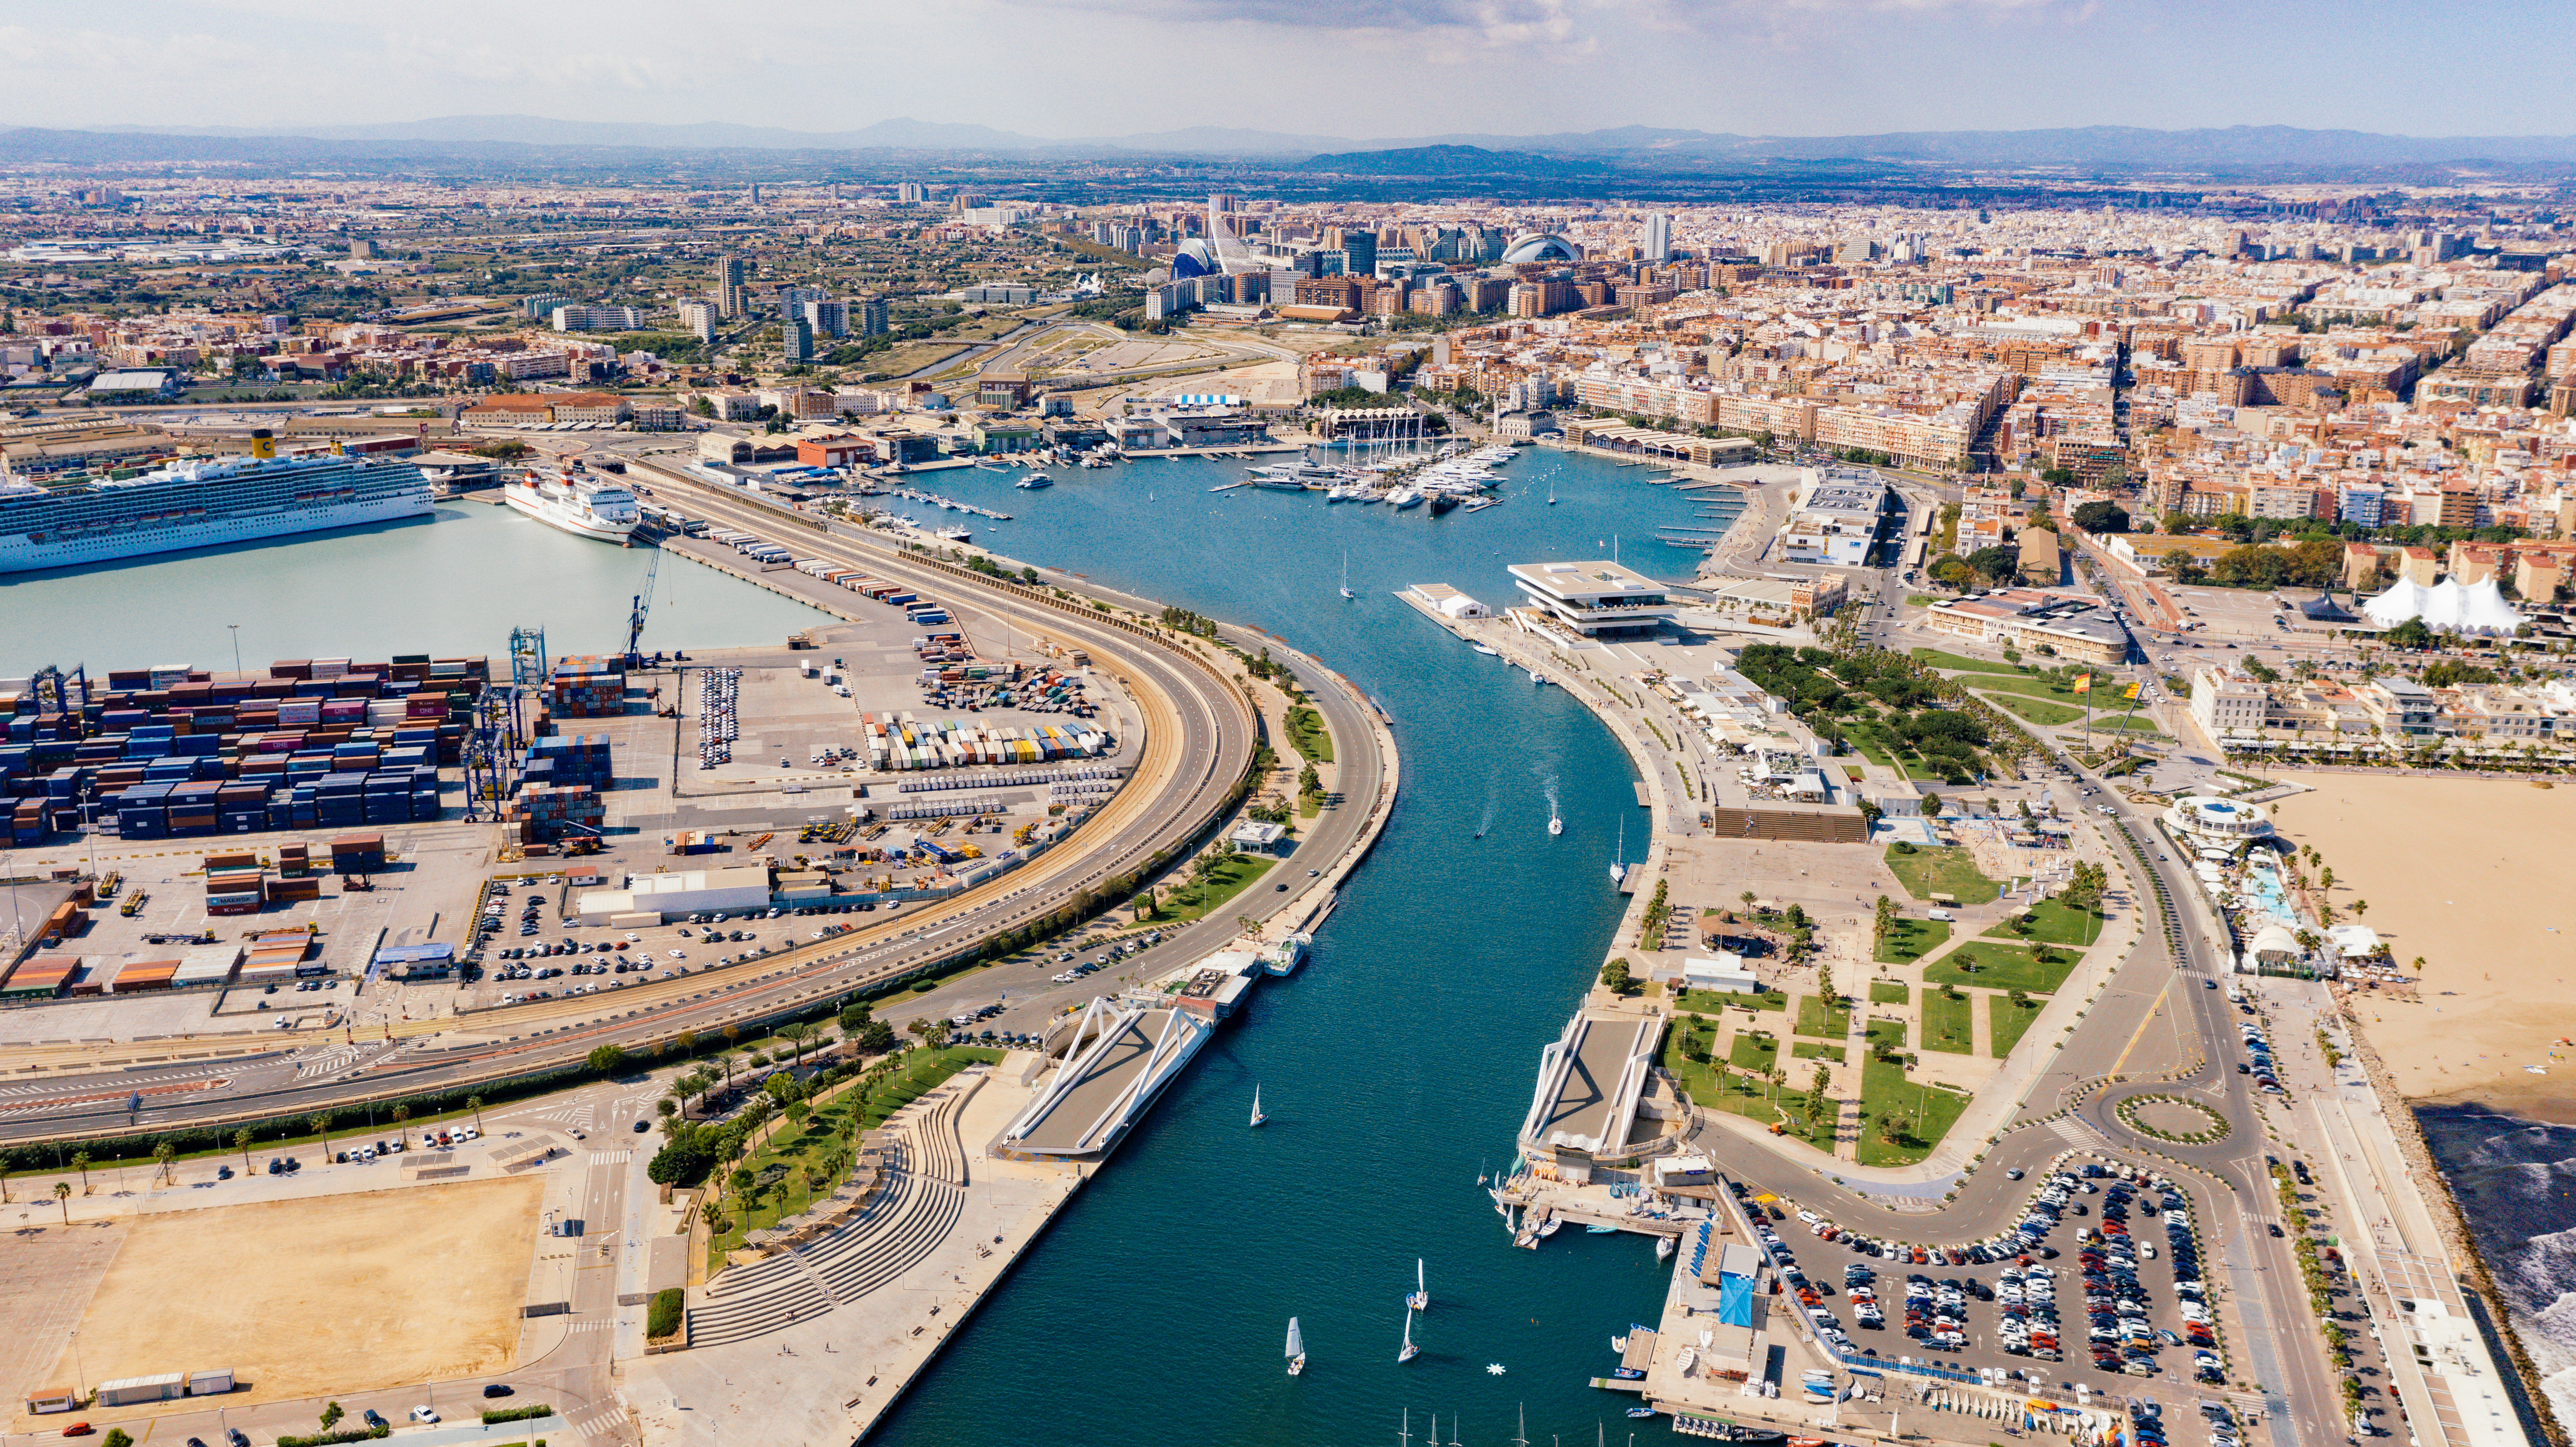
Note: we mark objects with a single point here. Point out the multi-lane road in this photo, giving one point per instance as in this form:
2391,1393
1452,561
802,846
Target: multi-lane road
1200,735
2181,972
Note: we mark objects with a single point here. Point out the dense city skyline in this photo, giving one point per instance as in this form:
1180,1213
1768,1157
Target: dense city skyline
1352,68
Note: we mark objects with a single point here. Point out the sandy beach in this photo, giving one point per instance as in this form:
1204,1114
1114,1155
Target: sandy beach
2470,874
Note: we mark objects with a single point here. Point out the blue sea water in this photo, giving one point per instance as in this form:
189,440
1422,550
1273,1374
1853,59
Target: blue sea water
1394,1066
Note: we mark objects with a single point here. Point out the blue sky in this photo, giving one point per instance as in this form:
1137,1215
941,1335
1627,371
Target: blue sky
1362,68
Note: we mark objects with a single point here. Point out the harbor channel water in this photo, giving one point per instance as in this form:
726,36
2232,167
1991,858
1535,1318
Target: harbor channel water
1395,1066
454,585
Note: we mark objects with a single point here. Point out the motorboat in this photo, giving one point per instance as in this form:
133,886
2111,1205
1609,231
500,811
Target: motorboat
1035,480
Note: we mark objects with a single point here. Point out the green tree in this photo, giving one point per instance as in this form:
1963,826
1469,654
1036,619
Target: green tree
780,1087
402,1125
162,1155
320,1124
855,1016
331,1415
474,1103
80,1163
605,1059
242,1143
1614,976
63,1198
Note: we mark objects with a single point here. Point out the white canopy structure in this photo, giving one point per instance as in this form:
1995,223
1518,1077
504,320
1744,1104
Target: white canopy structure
2447,605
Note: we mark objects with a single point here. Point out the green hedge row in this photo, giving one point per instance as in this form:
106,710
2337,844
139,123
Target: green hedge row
518,1414
664,1318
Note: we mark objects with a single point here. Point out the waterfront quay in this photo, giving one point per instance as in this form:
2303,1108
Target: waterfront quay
1980,1060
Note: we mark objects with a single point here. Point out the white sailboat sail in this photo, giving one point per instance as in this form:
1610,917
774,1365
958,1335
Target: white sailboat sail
1296,1349
1409,1351
1420,1300
1257,1116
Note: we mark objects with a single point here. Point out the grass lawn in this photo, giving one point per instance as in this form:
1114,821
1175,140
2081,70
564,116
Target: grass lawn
2104,690
2056,923
1925,1113
1753,1052
1711,1001
1231,875
1697,1080
1909,940
1810,1050
1307,734
2039,711
1950,871
2006,1021
1949,1024
2000,967
1824,1019
1885,1090
1939,659
821,1146
1871,747
1886,992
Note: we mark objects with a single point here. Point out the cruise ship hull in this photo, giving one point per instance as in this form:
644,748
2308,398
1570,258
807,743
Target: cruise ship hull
528,500
18,555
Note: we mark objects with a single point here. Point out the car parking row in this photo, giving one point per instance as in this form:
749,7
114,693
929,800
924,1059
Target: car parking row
719,693
2125,1329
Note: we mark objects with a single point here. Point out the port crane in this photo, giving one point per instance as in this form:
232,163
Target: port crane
642,606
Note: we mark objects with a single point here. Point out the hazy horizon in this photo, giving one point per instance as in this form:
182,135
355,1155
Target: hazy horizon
1358,69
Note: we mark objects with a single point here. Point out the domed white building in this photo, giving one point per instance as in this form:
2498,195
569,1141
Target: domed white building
2221,823
1541,246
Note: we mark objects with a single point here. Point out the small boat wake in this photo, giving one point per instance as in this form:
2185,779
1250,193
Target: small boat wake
1555,815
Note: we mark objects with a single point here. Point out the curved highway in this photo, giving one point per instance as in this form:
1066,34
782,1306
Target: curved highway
1199,740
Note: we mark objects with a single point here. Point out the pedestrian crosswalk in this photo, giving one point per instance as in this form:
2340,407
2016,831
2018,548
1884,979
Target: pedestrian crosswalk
611,1158
605,1420
2076,1130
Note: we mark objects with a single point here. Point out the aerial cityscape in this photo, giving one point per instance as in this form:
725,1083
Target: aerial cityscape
1826,761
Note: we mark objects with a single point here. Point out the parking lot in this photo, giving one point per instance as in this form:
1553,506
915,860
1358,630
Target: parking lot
2099,1283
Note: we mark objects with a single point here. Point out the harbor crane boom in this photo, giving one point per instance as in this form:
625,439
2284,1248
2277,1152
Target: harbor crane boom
642,606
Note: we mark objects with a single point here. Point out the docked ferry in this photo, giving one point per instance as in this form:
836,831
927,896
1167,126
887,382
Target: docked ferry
578,503
200,502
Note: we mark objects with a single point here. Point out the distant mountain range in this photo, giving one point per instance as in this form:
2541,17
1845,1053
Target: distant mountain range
2233,146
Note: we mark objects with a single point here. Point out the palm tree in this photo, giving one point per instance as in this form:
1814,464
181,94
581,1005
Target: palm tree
162,1155
242,1143
474,1103
728,1060
63,1198
80,1163
2360,907
402,1119
321,1123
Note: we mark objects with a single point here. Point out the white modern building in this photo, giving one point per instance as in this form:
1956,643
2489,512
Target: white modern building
695,891
1595,599
2222,823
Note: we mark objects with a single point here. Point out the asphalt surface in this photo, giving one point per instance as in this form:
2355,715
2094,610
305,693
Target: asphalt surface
1206,723
2275,1342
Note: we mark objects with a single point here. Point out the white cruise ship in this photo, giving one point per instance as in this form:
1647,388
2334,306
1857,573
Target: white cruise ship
578,503
200,503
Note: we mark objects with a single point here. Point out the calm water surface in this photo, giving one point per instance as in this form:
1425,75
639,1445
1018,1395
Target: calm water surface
1394,1066
455,586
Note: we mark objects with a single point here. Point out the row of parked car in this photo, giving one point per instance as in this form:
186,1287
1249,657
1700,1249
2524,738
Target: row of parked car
2258,1060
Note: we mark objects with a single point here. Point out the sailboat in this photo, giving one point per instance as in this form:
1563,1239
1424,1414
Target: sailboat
1618,864
1296,1350
1420,1300
1408,1351
1551,492
1346,575
1257,1116
1663,1248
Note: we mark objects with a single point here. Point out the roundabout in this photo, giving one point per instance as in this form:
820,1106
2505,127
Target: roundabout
2172,1118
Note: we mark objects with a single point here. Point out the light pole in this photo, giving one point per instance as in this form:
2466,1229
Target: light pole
236,629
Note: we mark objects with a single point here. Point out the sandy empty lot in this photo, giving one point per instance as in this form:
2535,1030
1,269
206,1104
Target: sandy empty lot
328,1294
2470,874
